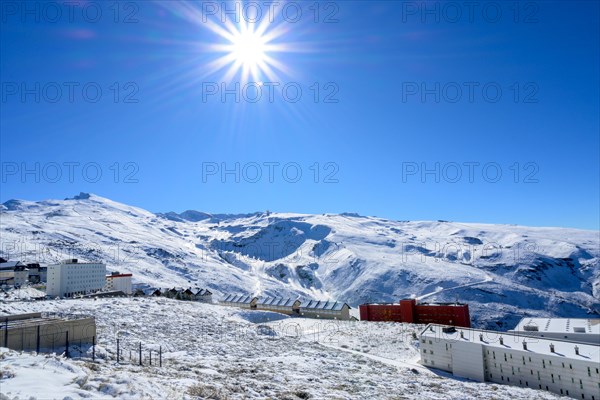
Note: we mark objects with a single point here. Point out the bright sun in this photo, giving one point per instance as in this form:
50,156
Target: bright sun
248,49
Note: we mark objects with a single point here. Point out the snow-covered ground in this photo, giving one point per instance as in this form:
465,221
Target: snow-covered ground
504,272
216,352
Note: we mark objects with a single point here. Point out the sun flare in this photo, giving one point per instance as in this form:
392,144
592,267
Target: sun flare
248,49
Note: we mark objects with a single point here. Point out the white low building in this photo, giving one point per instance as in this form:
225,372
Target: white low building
575,329
117,282
558,366
71,278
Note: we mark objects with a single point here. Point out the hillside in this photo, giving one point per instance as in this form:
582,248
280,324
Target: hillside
214,352
504,272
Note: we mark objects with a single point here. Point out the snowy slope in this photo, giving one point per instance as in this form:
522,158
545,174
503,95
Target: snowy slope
504,272
214,352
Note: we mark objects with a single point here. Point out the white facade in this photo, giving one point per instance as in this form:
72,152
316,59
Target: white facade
71,278
119,283
575,329
562,367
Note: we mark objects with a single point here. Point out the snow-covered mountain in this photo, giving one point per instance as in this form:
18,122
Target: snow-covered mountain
504,272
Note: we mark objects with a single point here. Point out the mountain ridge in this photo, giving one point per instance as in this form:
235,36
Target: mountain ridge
503,271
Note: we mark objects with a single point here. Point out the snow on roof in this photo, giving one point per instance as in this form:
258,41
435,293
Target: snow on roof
242,299
276,302
117,275
324,305
11,264
201,292
559,325
514,341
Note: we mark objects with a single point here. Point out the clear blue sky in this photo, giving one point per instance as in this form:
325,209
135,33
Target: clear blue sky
393,69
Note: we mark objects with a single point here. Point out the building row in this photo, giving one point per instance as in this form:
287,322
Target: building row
190,294
410,311
302,308
558,365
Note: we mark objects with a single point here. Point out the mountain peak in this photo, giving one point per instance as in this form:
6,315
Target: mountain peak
80,196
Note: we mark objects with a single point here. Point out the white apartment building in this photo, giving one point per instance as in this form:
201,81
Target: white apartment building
71,278
559,366
117,282
575,329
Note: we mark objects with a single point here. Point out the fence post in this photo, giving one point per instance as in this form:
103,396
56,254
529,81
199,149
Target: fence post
117,350
6,332
37,341
150,357
94,348
141,353
67,345
160,356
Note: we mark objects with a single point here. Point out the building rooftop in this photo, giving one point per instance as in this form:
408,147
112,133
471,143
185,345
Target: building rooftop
242,299
10,265
514,341
278,302
559,325
323,305
18,321
118,275
66,262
